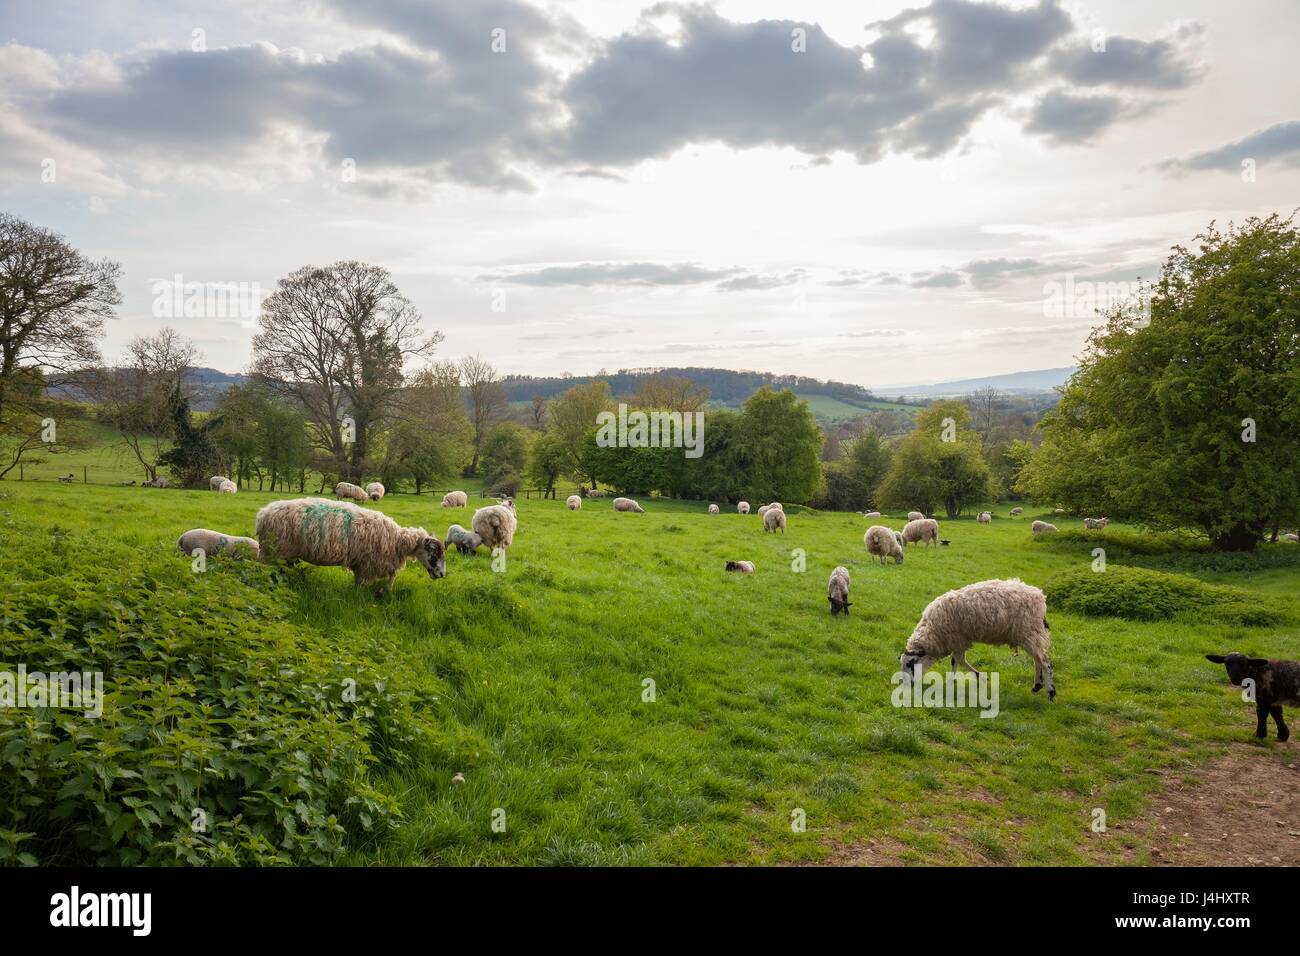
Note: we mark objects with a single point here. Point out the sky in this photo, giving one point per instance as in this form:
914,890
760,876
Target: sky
881,193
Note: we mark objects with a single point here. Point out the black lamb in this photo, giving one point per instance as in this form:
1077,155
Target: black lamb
1274,683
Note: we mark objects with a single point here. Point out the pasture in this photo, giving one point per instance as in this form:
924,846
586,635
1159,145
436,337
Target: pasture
531,682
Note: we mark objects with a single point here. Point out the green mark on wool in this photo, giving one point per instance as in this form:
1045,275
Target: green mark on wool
315,520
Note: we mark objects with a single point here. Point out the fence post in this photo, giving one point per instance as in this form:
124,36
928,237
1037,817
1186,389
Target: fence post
85,476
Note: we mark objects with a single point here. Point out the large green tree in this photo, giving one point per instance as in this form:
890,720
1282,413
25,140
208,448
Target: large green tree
776,447
940,462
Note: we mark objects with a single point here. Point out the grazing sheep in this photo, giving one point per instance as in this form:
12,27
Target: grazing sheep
376,491
1059,511
597,493
214,483
774,520
495,525
1274,682
914,516
742,507
214,542
985,517
1017,511
66,479
884,543
506,502
345,489
898,536
713,509
227,487
159,482
627,504
777,505
989,612
573,502
921,529
837,591
744,567
763,510
872,514
127,484
455,499
1042,527
1096,524
466,542
1291,536
368,543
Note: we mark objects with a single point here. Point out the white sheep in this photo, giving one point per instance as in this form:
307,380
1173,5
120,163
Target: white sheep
376,491
466,542
914,516
159,482
774,520
985,517
627,504
742,507
921,529
1017,511
837,591
1095,524
884,543
713,509
1058,511
214,542
573,502
455,499
744,567
1042,527
596,493
989,612
872,514
763,510
368,543
495,525
345,489
777,505
214,483
227,487
1291,536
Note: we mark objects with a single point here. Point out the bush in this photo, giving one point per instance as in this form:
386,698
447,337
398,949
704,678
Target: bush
1141,594
1120,544
213,702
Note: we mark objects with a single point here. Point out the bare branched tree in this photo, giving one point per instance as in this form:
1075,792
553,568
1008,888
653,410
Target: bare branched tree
487,398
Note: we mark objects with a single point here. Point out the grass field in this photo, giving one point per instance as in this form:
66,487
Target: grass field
763,705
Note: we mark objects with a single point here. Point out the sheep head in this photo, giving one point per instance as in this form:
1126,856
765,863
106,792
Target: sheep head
433,556
838,605
1238,665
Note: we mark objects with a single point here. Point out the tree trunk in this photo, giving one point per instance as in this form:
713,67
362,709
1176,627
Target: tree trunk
1237,538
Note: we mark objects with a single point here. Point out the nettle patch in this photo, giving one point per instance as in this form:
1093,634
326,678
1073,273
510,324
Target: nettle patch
1141,594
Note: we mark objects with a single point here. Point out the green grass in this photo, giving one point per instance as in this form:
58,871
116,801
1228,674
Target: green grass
764,703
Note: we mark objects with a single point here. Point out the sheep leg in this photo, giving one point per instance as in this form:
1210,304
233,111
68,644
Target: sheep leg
959,658
1261,719
1282,731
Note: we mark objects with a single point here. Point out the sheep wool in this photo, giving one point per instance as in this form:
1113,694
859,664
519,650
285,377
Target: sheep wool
743,567
627,504
455,499
368,543
713,509
1017,511
375,490
742,507
227,487
214,542
774,521
495,525
914,516
466,542
988,612
921,529
837,590
763,510
985,517
214,483
1042,527
872,514
345,489
573,502
1095,524
884,543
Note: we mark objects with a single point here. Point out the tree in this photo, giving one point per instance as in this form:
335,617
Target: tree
777,447
192,457
670,393
941,462
432,436
573,415
547,463
852,481
537,413
487,399
985,405
1190,418
504,453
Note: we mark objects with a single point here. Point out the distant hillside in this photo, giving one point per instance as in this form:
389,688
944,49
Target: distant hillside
206,385
1017,383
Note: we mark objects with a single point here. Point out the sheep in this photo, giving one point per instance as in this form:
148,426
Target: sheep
713,510
214,542
455,499
227,488
837,591
744,567
495,525
898,536
1096,524
214,483
466,542
985,517
1274,683
773,521
368,543
376,491
1042,527
763,510
159,482
67,479
922,529
627,504
777,505
506,502
596,493
884,543
742,507
872,514
1017,511
988,612
127,484
1058,511
345,489
914,516
573,502
1291,536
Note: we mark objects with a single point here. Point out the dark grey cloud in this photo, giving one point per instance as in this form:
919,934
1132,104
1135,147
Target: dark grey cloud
989,273
1278,143
1068,118
1166,64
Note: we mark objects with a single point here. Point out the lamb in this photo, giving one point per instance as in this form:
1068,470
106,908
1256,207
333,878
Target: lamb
1274,683
368,543
214,542
742,507
1017,511
837,591
495,525
923,529
66,479
989,612
455,499
227,487
1096,524
985,517
1042,527
466,542
713,509
914,516
884,543
627,504
376,491
214,483
773,521
345,489
744,567
573,502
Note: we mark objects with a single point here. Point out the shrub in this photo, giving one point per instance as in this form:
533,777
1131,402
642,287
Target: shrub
1121,543
1141,594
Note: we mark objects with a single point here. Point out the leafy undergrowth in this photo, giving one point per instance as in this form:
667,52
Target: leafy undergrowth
1141,594
1123,543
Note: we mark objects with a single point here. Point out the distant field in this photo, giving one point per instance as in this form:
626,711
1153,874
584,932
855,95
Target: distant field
106,461
832,409
764,704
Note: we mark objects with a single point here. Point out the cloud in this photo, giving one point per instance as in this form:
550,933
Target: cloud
1166,64
935,280
1278,143
1066,118
754,281
615,274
